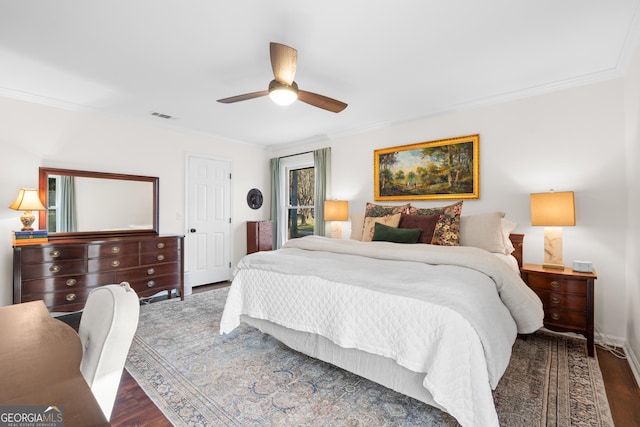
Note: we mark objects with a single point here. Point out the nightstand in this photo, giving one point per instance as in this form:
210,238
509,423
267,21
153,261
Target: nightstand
567,297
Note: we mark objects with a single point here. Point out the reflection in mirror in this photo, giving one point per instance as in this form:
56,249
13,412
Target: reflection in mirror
92,203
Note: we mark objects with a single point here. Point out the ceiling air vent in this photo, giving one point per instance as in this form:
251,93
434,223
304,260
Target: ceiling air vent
161,115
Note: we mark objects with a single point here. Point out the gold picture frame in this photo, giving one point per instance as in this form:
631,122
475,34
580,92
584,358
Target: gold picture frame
434,170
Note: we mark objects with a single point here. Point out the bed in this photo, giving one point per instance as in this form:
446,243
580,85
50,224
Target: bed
436,323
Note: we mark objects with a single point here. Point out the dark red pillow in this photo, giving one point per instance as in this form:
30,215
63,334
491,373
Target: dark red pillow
426,222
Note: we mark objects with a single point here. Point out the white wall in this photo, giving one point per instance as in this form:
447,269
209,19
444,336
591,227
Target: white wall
632,113
33,135
568,140
584,139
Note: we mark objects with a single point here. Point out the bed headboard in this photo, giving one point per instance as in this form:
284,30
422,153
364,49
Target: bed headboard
517,240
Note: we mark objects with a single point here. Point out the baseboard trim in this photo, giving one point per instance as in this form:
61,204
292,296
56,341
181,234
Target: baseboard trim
634,362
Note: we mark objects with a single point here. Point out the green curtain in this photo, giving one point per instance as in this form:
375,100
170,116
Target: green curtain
322,167
66,212
275,203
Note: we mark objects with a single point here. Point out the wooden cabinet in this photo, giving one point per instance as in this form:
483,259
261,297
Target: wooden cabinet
567,297
259,236
63,272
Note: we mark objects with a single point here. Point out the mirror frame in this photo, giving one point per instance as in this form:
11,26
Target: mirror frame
43,174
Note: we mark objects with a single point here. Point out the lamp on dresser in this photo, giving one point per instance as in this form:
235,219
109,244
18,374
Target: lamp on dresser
336,211
553,210
27,201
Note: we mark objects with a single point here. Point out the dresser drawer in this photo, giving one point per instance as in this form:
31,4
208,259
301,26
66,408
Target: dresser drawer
52,253
152,285
72,300
160,244
52,269
158,257
133,274
566,301
112,248
573,320
111,263
577,287
66,283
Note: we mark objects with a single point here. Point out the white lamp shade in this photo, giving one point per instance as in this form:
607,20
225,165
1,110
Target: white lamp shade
553,209
336,210
27,200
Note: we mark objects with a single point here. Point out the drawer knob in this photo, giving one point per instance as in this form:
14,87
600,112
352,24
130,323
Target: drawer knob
160,245
555,284
160,257
71,282
70,297
151,283
115,263
555,300
54,253
54,268
150,271
115,249
555,316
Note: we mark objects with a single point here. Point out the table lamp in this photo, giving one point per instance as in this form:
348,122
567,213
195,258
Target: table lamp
553,211
335,211
27,201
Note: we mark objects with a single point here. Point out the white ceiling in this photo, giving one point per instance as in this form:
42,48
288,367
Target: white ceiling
391,61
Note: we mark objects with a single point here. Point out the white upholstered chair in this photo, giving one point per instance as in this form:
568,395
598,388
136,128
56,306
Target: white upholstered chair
107,326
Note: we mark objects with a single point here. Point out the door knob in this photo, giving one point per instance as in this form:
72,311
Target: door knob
193,230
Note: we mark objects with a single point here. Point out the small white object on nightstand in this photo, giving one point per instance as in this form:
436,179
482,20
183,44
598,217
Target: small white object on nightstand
583,266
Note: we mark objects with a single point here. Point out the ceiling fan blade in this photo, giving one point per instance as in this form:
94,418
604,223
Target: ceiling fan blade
244,97
321,101
284,60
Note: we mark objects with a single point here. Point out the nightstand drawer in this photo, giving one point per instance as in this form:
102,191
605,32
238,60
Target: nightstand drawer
574,320
561,300
570,286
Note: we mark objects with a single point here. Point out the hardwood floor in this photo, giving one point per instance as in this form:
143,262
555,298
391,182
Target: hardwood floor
134,408
622,390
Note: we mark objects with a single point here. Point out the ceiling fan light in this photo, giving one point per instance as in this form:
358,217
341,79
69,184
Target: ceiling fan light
283,96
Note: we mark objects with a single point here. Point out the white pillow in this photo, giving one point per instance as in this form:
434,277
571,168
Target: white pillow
483,231
507,229
357,224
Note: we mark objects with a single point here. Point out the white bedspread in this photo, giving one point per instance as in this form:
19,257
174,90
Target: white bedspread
450,312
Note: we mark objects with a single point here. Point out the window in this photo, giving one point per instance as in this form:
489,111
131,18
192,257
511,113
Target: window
297,186
300,208
53,203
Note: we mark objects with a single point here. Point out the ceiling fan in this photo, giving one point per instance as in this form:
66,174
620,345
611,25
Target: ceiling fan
283,90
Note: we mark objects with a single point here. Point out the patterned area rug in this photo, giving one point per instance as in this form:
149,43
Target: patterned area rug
200,378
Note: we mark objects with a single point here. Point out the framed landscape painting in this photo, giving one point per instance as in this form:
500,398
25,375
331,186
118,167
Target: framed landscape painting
444,169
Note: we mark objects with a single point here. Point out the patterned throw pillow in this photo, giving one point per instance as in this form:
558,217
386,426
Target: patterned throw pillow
447,231
370,222
425,222
379,210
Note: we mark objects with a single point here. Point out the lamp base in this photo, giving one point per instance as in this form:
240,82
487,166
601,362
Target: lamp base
336,230
553,248
27,218
553,266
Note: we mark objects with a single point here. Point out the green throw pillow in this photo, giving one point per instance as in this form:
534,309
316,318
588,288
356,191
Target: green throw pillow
385,233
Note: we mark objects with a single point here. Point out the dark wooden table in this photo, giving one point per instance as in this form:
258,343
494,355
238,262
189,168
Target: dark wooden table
40,365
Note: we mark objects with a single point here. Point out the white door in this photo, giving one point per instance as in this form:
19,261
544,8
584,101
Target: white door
208,237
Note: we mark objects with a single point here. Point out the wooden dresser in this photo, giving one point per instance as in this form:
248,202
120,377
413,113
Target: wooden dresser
259,236
63,272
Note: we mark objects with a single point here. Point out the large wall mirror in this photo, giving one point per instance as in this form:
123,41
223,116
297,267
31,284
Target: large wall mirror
85,203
